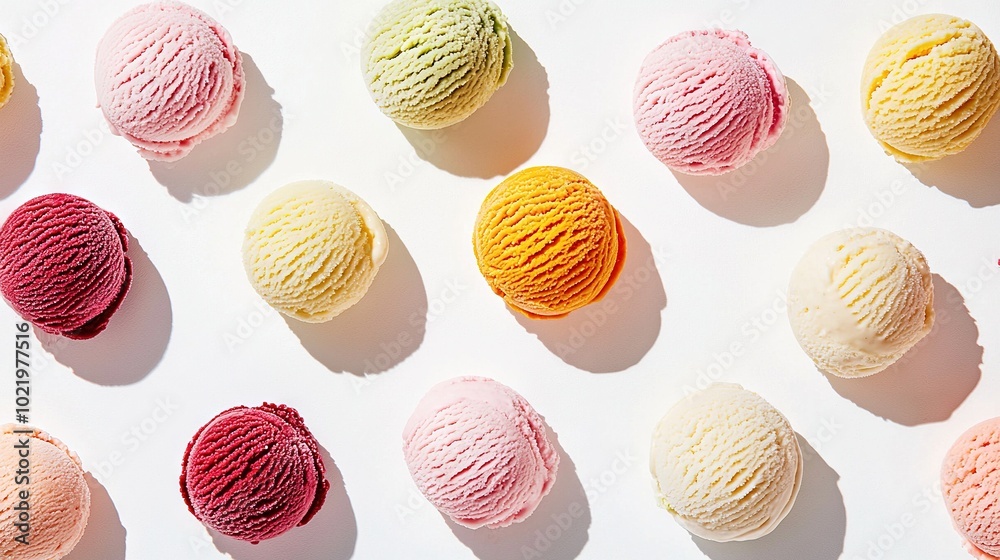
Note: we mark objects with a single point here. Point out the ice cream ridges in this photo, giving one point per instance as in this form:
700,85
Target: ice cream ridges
312,249
57,505
706,102
548,242
726,464
254,473
431,63
479,452
929,87
63,265
168,77
970,483
6,72
859,299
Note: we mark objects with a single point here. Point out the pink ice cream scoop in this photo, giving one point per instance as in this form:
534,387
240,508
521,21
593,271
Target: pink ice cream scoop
706,102
479,452
168,77
970,482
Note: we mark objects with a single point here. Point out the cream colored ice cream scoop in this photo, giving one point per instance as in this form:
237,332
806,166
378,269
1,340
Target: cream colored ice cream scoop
859,299
312,249
726,464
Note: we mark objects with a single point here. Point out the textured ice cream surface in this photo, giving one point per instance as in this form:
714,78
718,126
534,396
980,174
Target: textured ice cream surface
726,464
431,63
63,264
168,77
312,249
254,473
706,102
859,299
970,483
548,242
6,72
929,87
58,496
479,452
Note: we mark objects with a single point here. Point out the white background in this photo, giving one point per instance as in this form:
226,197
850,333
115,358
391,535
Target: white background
701,297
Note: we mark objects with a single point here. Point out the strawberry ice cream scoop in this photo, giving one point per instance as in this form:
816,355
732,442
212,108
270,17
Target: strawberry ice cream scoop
168,77
63,265
479,452
970,482
254,473
706,102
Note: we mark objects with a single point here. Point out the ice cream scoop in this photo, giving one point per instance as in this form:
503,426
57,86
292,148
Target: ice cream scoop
44,497
479,452
970,483
706,102
6,72
929,86
726,464
548,242
431,63
312,249
63,264
859,299
254,473
168,77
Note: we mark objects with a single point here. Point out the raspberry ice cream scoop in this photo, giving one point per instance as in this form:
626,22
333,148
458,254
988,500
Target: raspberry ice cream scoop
168,77
63,265
254,473
479,452
970,482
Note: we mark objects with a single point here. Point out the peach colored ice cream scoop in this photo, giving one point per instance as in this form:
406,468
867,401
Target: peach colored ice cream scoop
548,242
970,482
168,77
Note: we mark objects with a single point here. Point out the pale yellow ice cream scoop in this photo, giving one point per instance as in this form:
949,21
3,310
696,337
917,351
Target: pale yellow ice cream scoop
726,464
6,72
431,63
312,249
929,87
859,299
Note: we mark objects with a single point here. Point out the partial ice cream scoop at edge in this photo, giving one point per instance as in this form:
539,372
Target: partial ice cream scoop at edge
479,452
168,77
6,72
726,464
970,483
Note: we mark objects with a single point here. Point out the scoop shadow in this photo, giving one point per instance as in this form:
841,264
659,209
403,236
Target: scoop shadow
381,330
232,160
815,527
331,535
934,377
557,530
136,337
613,334
20,134
104,538
781,183
972,175
500,136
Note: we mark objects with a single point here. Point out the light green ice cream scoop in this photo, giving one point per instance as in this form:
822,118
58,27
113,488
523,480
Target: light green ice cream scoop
431,63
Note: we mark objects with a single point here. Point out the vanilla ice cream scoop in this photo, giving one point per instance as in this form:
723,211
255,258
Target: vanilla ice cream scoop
726,464
859,299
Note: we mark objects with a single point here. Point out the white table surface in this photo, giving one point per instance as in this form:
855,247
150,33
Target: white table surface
701,298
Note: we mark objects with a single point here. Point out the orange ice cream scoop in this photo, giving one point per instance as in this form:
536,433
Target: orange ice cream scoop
548,242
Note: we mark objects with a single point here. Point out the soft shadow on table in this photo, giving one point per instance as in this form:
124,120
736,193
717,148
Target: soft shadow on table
232,160
613,334
814,528
557,530
931,380
381,330
331,535
779,185
20,134
136,337
503,134
104,538
972,175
